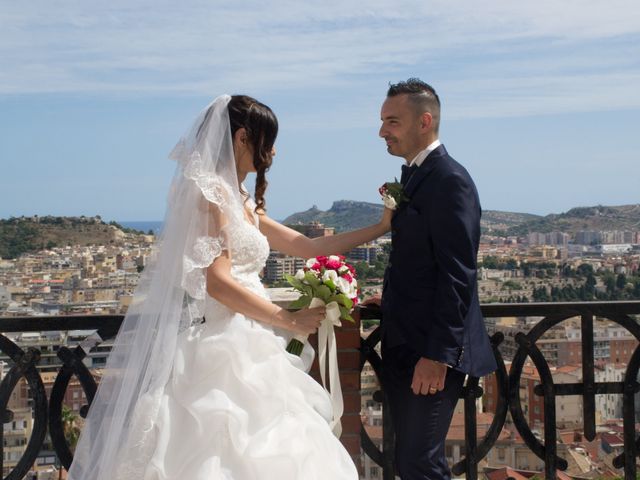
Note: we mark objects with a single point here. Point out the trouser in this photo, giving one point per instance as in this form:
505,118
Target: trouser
421,422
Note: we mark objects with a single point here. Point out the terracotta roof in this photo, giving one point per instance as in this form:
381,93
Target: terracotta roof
612,438
504,473
568,368
508,472
484,418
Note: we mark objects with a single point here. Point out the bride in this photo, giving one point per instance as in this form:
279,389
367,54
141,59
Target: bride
199,385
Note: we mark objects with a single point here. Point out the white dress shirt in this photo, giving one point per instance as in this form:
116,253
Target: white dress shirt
418,159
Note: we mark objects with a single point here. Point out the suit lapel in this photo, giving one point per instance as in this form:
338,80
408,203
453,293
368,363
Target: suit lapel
425,169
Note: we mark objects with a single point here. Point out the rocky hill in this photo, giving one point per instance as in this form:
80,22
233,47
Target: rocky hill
343,215
623,217
29,234
495,221
346,215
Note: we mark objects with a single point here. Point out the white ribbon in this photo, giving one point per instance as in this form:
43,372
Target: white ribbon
327,344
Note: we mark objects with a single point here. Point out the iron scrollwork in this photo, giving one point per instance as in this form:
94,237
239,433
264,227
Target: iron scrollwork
509,387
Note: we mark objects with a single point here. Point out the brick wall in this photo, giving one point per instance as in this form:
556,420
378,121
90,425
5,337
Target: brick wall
348,340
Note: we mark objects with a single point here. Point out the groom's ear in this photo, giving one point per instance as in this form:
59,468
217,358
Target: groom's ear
426,122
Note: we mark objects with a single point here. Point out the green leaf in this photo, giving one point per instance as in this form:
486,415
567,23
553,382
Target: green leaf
323,292
329,283
312,279
294,282
345,314
344,300
302,302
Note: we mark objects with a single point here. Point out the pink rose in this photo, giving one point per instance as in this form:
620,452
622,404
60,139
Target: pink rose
347,277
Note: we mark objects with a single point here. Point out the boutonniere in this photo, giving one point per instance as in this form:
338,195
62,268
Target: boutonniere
393,194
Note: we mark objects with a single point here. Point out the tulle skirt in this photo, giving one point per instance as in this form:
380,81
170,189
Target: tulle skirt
238,406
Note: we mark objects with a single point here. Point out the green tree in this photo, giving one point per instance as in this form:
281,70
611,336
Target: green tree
511,264
511,285
610,283
71,430
490,262
584,269
621,281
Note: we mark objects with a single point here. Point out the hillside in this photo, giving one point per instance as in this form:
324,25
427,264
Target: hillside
347,214
343,215
494,221
29,234
623,217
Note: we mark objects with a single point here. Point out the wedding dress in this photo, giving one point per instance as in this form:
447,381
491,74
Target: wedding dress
192,390
237,405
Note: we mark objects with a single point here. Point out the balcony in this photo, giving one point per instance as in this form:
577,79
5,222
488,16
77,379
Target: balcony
71,375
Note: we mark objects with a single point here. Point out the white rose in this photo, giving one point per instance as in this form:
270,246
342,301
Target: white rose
330,275
335,258
390,202
343,285
343,269
300,275
311,262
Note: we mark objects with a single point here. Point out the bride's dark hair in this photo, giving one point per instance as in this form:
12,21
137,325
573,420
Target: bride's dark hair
261,126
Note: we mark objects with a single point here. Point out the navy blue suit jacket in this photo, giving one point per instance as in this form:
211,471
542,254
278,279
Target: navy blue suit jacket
430,294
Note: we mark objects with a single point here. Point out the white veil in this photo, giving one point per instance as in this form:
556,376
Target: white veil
204,204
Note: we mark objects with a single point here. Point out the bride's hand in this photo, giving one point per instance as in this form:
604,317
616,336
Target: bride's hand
385,221
305,321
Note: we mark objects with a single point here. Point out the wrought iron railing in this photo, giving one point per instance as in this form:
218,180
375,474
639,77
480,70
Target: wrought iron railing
509,387
47,412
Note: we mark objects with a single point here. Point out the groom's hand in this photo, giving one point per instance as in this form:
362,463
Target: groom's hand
428,377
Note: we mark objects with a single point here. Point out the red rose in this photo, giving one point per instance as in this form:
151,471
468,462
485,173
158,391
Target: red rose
322,260
316,266
347,277
333,264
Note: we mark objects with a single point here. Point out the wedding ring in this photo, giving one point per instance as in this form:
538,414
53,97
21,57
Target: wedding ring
294,321
432,390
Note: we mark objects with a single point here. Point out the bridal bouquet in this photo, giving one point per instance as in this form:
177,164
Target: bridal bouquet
332,282
326,281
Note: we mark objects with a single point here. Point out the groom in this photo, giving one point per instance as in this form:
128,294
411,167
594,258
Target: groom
433,332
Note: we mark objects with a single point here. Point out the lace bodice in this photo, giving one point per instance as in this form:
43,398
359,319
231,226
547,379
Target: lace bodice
249,253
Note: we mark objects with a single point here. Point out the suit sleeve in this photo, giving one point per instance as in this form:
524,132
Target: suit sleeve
455,225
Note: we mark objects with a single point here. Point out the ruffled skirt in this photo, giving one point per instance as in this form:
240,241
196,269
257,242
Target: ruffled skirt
238,406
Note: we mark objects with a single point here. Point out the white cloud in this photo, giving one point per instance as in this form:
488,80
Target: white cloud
492,58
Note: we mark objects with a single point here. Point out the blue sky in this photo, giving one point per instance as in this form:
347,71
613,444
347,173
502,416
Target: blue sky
540,99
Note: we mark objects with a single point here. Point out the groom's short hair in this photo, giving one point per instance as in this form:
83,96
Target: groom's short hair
421,95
